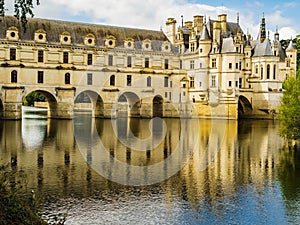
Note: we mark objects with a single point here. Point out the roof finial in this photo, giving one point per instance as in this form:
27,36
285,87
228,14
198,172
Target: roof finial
181,20
238,18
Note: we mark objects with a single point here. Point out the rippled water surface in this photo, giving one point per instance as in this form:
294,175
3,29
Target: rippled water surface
170,171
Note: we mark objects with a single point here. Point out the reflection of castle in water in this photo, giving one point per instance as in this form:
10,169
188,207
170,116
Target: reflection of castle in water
234,154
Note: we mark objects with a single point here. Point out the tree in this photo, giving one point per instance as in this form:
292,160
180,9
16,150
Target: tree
22,9
290,108
296,41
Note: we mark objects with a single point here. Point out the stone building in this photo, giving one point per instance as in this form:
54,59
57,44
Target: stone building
199,69
227,69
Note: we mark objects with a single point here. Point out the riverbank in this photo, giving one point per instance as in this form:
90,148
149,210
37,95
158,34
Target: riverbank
14,207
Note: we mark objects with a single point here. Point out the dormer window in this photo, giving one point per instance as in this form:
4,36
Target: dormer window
65,38
147,45
129,43
40,36
12,34
89,40
166,46
110,42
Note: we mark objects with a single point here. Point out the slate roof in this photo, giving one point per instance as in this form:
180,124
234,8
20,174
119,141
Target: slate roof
231,28
78,31
228,45
262,48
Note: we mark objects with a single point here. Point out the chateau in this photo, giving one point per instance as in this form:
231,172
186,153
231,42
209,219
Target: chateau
201,68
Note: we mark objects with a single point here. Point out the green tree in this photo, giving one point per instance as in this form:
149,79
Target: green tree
296,41
289,111
34,97
22,9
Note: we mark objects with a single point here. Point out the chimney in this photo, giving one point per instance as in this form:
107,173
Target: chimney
217,31
171,30
189,24
198,23
223,19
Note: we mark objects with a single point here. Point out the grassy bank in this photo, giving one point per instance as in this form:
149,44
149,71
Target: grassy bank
16,206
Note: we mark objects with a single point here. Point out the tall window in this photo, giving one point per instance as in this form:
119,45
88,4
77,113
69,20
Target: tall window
67,78
213,81
192,82
240,82
110,60
230,83
262,72
166,81
14,76
214,63
256,69
180,64
274,72
66,57
149,81
112,80
230,65
40,56
147,62
192,64
268,71
89,79
40,77
192,47
129,61
12,54
166,64
90,59
129,77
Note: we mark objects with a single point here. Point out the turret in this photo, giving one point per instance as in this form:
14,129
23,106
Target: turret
171,30
291,53
204,42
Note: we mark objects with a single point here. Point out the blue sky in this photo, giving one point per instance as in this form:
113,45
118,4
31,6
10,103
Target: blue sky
152,14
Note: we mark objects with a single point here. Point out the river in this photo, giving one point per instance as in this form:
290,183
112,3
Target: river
161,171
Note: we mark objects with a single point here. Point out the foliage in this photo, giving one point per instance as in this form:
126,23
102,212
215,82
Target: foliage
290,108
34,97
22,9
296,41
14,207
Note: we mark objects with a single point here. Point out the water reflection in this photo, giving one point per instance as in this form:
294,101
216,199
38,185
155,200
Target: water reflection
238,172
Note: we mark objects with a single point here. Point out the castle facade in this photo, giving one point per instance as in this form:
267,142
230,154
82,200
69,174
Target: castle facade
209,69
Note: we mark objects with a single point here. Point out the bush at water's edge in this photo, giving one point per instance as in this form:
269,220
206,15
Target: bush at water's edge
15,208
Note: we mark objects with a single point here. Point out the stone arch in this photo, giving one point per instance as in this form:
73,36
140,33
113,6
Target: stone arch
95,101
158,106
245,106
129,105
51,99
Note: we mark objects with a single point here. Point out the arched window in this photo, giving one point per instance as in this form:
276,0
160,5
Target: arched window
274,72
112,80
268,71
67,78
14,76
149,81
256,69
262,72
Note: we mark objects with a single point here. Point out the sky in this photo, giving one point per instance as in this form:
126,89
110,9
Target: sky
146,14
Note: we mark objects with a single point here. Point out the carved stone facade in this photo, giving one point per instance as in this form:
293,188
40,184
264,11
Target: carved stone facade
201,69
